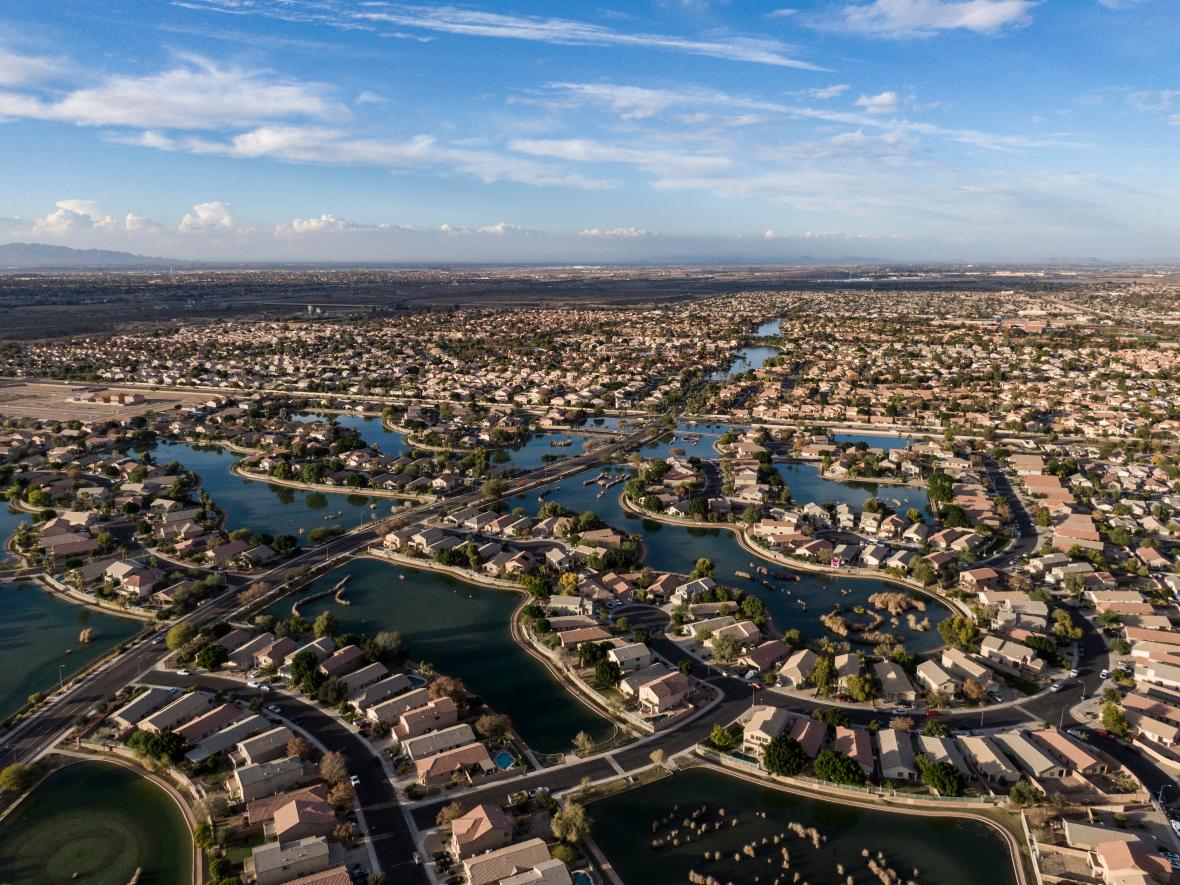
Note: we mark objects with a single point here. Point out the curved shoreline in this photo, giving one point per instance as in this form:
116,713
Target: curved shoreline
326,489
771,557
77,758
1015,853
513,621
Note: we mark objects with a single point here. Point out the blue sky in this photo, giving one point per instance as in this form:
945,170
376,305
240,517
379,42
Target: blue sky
672,130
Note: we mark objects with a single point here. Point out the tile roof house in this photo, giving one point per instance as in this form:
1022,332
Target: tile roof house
495,866
484,828
468,763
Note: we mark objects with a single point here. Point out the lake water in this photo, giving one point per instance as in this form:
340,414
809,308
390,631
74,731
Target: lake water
96,823
676,548
807,485
771,327
532,454
461,630
8,525
752,357
944,850
372,431
264,507
41,633
886,442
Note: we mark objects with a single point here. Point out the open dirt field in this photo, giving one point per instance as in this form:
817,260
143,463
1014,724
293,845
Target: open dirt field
56,402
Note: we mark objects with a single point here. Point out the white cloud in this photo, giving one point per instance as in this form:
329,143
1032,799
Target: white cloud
501,228
1118,5
823,92
584,150
319,145
75,216
627,100
1153,100
924,18
199,94
325,222
368,97
15,68
615,233
211,216
882,103
477,23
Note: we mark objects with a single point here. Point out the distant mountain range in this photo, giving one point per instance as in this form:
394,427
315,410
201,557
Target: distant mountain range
44,256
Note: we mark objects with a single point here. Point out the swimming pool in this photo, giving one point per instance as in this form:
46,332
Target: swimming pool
581,877
504,759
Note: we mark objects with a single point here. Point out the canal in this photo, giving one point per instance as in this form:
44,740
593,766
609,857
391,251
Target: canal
942,850
96,823
461,630
41,643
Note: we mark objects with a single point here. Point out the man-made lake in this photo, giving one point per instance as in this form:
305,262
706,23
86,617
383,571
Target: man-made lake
40,645
372,431
99,824
885,441
676,548
9,520
807,485
262,506
943,850
461,630
533,453
770,327
752,357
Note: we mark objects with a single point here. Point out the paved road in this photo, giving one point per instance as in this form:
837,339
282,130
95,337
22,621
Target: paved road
392,840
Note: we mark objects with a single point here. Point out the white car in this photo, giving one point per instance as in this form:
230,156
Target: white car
354,780
1105,674
750,675
183,672
1056,686
275,708
1074,672
253,683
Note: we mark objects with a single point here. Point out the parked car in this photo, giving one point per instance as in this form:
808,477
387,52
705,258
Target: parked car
354,780
183,672
1056,686
1074,672
275,708
1105,674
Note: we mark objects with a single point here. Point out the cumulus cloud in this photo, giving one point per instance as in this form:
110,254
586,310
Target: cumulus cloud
500,228
211,216
74,216
924,18
325,222
615,233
